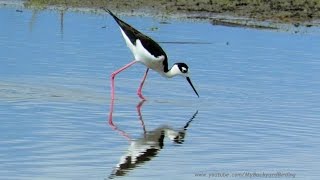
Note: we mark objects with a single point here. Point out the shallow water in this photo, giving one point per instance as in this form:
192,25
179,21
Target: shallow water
258,110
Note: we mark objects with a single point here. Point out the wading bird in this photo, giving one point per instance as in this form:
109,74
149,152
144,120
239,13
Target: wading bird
148,52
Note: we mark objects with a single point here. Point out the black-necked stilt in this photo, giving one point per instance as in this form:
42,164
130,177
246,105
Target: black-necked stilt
148,52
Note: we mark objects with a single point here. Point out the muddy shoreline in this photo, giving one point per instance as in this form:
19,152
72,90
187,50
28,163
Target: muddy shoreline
262,14
279,10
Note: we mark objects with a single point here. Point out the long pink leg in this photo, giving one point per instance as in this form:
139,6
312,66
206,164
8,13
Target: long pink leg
113,75
141,84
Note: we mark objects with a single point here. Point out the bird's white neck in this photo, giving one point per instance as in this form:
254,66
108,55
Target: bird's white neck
173,72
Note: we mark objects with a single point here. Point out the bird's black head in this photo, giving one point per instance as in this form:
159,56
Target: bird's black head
183,67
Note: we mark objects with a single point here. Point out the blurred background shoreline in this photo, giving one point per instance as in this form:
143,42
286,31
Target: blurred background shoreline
258,14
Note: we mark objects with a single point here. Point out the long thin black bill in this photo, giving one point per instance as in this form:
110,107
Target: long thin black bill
188,79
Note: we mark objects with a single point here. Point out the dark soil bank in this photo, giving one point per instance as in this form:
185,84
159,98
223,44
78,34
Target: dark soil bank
275,10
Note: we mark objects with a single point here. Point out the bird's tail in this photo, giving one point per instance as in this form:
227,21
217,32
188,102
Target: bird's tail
108,11
129,30
114,16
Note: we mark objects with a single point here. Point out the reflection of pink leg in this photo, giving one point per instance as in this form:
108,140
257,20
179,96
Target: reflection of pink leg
117,72
113,126
141,84
110,113
140,115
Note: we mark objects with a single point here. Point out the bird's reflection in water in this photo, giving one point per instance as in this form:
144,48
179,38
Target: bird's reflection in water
148,146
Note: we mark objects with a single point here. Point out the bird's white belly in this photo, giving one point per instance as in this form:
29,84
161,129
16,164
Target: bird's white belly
142,55
156,65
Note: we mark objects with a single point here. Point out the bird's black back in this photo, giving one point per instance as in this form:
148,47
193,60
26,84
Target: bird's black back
149,44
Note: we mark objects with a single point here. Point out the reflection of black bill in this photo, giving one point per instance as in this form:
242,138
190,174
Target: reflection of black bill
188,79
